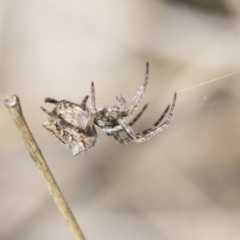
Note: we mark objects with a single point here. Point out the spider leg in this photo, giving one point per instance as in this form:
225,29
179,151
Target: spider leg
83,104
155,125
121,99
93,98
171,109
161,118
140,92
119,128
118,139
126,128
50,114
51,100
133,120
149,133
139,115
56,118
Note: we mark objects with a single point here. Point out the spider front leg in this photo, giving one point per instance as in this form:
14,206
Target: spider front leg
50,114
121,127
56,118
121,99
93,97
138,115
51,100
126,111
54,101
118,139
140,92
126,128
84,102
149,133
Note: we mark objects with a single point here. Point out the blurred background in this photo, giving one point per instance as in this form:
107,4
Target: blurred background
182,184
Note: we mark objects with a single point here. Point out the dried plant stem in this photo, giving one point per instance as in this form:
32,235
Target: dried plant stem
13,104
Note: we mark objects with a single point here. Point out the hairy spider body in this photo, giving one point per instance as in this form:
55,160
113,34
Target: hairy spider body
73,124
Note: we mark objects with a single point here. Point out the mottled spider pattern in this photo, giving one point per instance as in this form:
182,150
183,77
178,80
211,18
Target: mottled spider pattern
74,124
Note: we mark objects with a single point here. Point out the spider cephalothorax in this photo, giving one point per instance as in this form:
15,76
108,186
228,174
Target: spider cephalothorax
73,124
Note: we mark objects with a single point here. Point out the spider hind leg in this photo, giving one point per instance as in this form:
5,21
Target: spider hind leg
51,100
50,114
157,128
138,115
84,102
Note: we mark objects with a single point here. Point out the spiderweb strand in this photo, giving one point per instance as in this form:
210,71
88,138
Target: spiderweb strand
213,80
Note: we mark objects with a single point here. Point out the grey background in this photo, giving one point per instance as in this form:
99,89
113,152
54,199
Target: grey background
182,184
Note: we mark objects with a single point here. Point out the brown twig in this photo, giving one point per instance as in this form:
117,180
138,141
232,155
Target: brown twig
13,104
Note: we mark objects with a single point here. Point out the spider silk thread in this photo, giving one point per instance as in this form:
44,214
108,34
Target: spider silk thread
207,82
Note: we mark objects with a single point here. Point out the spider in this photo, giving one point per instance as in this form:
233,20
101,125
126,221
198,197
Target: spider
74,124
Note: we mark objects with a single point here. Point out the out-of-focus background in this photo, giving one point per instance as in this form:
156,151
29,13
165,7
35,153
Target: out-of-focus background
182,184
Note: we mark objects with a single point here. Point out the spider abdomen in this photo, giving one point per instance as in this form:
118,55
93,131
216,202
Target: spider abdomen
73,126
